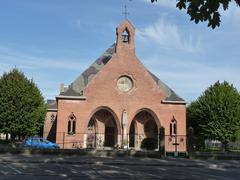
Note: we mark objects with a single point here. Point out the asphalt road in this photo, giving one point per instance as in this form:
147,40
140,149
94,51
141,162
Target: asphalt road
111,168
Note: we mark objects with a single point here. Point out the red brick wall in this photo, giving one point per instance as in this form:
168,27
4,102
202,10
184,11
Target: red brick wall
102,91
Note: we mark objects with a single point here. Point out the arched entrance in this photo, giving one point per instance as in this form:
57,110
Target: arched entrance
143,128
102,130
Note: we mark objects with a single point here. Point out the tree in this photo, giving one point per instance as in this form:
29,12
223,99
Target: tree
216,113
204,10
22,107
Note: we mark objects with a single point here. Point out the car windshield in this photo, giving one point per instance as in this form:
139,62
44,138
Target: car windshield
44,141
34,140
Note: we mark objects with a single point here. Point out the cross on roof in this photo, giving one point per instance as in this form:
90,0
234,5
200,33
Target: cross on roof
126,13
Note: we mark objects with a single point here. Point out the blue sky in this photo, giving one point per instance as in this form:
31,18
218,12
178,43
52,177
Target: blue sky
54,41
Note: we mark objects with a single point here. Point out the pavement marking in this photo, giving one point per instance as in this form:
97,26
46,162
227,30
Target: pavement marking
89,173
136,172
3,172
216,167
220,177
14,169
162,169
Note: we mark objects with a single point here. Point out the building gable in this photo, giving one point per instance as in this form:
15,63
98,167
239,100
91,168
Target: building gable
126,52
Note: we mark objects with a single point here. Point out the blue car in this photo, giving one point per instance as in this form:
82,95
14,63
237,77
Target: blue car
39,143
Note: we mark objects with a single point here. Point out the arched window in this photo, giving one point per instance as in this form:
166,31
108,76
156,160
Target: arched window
72,124
173,126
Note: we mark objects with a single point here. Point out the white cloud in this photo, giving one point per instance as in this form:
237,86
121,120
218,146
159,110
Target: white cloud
45,71
231,15
11,57
189,78
188,58
168,35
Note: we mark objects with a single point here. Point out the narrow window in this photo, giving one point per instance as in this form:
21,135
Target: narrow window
72,124
69,127
170,128
173,126
74,127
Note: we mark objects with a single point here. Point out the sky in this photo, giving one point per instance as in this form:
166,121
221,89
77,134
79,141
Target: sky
53,42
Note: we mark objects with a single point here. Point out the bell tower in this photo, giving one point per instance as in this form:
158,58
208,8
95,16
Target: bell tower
125,38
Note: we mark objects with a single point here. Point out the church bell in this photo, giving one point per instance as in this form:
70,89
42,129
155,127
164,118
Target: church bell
125,36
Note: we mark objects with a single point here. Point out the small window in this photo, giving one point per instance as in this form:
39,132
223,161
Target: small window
72,124
173,126
52,118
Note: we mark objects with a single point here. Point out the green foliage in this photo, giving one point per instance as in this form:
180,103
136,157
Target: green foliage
149,143
216,113
204,10
238,135
22,107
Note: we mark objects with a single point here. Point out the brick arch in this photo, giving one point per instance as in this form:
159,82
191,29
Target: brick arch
154,115
112,113
147,126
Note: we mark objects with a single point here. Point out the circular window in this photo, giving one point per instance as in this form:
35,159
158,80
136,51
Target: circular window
124,83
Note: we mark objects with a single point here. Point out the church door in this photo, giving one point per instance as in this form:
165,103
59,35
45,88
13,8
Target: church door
109,136
132,135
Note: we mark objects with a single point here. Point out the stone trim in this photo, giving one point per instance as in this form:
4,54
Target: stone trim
72,97
173,102
52,110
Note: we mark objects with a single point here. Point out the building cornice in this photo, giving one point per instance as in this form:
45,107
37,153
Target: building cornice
52,110
173,102
71,97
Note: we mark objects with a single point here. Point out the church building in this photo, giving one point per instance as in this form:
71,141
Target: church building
117,103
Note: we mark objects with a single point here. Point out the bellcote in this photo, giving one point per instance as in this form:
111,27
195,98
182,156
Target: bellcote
125,37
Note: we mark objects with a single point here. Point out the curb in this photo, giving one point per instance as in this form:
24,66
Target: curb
84,152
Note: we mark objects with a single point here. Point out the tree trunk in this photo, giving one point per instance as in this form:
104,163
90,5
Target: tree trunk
225,146
13,136
6,137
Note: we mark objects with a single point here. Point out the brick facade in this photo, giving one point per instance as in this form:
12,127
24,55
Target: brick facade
104,103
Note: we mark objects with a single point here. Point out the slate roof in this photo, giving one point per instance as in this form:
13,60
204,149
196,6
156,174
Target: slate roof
171,95
77,86
51,104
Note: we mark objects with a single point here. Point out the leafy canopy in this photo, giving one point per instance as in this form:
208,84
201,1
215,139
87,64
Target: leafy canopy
22,107
216,113
204,10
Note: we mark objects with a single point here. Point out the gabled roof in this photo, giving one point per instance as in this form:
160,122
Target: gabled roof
77,86
171,95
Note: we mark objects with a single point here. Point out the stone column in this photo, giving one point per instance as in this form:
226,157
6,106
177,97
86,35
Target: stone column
100,136
124,129
140,135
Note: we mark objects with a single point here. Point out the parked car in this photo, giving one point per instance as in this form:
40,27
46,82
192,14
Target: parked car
39,143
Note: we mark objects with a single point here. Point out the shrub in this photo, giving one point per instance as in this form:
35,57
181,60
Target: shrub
149,143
